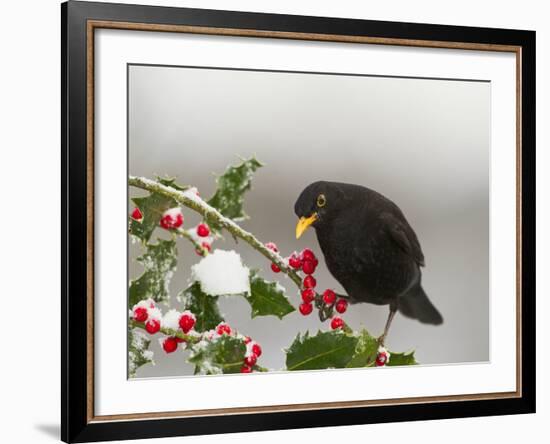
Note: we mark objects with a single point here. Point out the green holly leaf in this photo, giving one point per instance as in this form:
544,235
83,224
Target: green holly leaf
267,298
365,351
159,262
402,359
138,351
202,305
331,349
222,355
171,182
229,196
152,207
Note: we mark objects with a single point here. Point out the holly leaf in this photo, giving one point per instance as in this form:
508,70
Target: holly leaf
171,182
138,351
365,351
331,349
402,359
229,196
222,355
267,298
159,262
202,305
152,207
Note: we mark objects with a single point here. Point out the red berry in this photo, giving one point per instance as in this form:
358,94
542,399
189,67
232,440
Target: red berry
136,214
308,255
294,261
186,322
140,314
341,306
152,326
246,369
203,230
256,349
206,246
247,339
309,282
306,308
329,297
309,266
275,268
171,218
271,246
170,345
336,323
308,294
381,359
250,360
223,329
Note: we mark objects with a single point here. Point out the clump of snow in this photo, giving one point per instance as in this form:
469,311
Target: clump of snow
193,194
384,350
222,273
171,320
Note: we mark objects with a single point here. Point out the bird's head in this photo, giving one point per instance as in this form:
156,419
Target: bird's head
317,205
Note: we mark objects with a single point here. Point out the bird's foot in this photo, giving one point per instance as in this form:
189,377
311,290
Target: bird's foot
381,340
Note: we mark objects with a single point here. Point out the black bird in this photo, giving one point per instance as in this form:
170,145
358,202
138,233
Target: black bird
369,247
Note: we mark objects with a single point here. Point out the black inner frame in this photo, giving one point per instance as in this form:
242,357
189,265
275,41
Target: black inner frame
74,423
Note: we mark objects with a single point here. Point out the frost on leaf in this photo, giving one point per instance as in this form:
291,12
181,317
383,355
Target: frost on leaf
202,305
138,353
159,262
365,352
330,349
222,273
224,354
267,298
229,196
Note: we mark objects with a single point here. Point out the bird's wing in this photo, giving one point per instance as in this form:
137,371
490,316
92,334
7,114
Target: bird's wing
404,236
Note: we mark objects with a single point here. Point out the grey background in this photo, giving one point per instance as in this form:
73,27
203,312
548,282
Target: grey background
423,143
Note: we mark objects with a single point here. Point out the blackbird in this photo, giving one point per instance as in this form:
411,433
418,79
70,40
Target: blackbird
369,248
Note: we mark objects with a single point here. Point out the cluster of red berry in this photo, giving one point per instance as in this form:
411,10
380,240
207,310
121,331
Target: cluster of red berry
307,262
253,349
172,219
147,312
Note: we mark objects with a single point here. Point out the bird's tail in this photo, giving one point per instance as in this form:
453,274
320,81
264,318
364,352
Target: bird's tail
415,304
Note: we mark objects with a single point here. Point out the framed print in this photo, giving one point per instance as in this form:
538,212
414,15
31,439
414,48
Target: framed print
275,221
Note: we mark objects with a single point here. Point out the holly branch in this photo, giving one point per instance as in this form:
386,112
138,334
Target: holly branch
191,200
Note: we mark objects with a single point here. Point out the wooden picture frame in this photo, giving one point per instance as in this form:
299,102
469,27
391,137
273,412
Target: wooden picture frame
80,20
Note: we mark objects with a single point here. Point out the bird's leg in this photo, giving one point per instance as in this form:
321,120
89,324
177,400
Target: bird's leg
382,339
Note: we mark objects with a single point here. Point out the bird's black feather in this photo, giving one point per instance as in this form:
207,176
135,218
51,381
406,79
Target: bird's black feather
369,247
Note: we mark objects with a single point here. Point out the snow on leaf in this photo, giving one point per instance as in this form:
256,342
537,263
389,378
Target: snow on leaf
159,262
229,196
267,298
222,273
202,305
152,207
138,353
224,354
171,182
331,349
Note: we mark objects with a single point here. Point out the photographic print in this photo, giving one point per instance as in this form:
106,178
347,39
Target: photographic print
286,221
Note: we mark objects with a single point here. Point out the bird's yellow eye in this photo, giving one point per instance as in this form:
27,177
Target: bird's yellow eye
321,200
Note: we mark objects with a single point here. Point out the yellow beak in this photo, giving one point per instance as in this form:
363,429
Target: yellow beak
304,223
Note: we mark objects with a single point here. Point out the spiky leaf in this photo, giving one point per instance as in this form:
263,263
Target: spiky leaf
152,207
159,262
222,355
204,306
402,359
365,351
267,298
171,182
231,186
138,351
331,349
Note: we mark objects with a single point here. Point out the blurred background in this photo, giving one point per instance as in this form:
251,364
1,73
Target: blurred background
425,144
